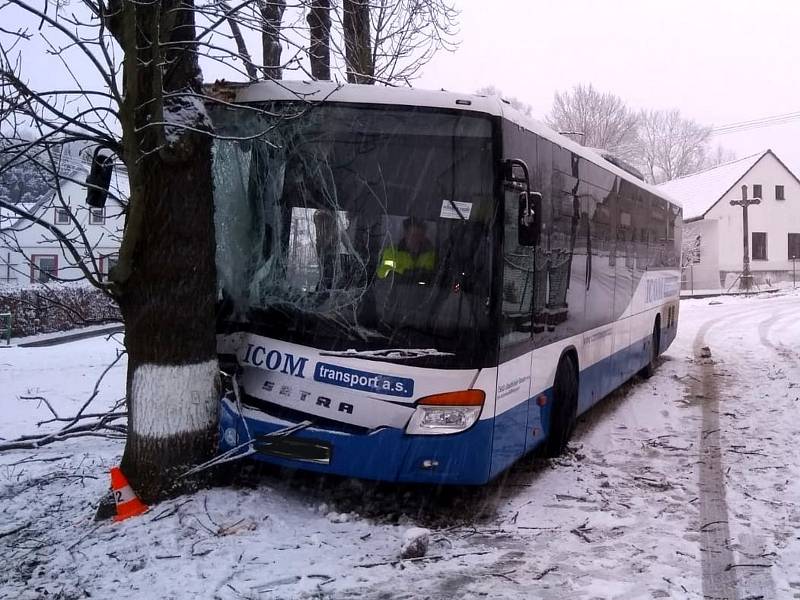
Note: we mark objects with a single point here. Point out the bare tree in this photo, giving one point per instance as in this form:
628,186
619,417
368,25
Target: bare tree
390,41
670,145
148,110
241,46
165,281
490,90
662,145
598,119
406,34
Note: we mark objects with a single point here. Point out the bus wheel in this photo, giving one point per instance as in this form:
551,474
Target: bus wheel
650,368
564,412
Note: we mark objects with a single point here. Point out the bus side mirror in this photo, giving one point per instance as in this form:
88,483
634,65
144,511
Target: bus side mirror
515,172
529,218
99,179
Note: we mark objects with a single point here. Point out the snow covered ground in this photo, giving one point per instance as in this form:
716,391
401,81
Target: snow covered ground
683,486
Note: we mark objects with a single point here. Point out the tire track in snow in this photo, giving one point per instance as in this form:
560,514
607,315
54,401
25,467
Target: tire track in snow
719,580
759,582
766,326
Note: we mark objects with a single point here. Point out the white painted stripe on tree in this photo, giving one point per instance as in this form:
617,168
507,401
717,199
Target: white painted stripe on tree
171,400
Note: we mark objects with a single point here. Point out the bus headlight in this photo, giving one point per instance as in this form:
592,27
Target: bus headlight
451,412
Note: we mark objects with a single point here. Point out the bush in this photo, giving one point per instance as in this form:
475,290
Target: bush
44,309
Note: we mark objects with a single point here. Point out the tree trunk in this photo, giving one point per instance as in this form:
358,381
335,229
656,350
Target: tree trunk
319,51
272,15
166,275
168,309
357,42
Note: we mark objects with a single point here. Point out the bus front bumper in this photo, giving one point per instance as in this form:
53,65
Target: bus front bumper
384,454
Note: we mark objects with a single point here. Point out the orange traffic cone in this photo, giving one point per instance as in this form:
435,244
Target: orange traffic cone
128,505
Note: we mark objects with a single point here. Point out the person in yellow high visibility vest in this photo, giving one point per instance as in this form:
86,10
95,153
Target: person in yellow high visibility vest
412,257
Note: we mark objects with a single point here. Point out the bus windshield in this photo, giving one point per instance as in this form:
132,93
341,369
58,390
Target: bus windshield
366,231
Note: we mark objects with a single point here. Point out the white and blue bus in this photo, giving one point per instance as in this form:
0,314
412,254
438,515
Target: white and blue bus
425,286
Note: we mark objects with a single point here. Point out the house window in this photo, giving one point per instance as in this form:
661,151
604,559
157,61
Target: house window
779,193
62,216
794,245
43,267
97,216
8,272
759,250
757,190
107,262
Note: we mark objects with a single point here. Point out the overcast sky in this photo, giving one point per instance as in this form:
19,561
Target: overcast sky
717,61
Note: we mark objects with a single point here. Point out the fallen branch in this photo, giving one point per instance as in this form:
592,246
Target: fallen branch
505,575
31,459
750,452
15,530
101,428
654,483
581,531
419,559
545,572
733,566
103,425
41,399
709,524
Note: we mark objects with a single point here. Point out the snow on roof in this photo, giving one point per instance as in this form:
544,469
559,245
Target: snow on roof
318,91
6,218
699,192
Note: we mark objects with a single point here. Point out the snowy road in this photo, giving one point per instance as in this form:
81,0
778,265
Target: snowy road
683,486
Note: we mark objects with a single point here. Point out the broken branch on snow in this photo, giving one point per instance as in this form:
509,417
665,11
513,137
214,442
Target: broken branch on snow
104,424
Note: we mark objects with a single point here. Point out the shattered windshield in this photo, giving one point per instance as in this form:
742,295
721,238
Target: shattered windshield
356,229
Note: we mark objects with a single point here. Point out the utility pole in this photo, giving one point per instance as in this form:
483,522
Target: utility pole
747,278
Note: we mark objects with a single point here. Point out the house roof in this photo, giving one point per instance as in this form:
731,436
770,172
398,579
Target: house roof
701,191
76,171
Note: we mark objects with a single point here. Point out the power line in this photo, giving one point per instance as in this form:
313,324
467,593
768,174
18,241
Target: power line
756,123
728,128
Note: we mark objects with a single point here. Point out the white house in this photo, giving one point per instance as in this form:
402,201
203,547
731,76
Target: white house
29,253
712,233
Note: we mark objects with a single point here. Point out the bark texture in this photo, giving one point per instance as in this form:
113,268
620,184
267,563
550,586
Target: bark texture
166,277
272,14
358,47
319,51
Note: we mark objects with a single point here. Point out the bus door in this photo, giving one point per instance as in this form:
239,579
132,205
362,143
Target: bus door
516,347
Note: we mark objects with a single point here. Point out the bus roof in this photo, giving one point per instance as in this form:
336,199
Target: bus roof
328,91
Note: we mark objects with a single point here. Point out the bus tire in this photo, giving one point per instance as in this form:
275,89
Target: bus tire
650,367
564,411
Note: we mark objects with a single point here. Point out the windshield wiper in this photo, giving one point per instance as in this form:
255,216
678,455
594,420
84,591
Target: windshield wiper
390,353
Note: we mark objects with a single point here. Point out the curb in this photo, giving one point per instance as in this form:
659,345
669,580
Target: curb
718,294
71,337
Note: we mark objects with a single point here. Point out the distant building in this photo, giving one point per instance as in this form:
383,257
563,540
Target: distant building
29,253
712,233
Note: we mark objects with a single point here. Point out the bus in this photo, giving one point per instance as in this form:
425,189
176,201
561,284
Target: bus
424,286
